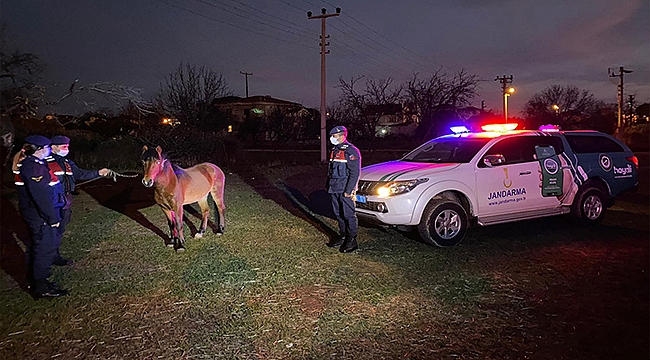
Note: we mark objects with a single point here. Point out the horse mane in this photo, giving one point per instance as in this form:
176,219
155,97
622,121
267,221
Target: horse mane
179,171
152,154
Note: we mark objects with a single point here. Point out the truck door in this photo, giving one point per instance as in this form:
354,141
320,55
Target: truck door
512,186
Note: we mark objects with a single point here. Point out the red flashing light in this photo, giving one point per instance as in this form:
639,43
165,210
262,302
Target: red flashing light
500,127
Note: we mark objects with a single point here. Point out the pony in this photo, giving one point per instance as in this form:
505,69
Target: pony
175,187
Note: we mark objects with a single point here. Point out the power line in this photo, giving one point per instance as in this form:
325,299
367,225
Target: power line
371,47
356,50
297,26
387,39
246,17
384,46
233,25
291,5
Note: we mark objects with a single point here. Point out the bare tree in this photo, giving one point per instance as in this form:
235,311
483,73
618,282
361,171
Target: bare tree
375,92
434,97
189,91
340,114
117,96
19,75
566,106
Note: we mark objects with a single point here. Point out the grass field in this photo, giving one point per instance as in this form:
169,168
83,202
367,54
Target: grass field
270,288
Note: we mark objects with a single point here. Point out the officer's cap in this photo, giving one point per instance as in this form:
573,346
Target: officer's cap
338,129
60,140
38,140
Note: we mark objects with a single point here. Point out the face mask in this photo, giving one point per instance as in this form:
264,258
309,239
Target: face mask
63,153
334,140
43,152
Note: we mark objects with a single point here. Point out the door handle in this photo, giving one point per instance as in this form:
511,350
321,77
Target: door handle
525,173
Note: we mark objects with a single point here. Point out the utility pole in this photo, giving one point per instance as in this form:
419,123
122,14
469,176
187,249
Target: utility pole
631,105
619,122
246,74
323,98
505,80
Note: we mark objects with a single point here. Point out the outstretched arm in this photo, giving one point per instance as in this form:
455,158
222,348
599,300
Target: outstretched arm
81,174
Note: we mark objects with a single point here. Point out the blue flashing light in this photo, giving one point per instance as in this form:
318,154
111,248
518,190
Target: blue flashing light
459,129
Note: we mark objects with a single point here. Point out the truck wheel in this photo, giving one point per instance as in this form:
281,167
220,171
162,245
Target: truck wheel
590,204
443,223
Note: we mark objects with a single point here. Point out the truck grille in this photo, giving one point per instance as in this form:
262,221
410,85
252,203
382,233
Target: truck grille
370,187
373,206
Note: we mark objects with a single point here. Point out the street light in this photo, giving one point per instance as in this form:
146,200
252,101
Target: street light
556,107
507,93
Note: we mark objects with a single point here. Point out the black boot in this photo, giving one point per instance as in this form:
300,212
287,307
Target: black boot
62,262
336,242
349,245
45,289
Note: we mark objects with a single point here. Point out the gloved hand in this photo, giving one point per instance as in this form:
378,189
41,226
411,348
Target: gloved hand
108,173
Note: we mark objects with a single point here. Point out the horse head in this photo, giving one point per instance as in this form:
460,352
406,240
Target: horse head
153,162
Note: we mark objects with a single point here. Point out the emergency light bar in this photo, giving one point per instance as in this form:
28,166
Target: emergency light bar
459,129
499,127
550,128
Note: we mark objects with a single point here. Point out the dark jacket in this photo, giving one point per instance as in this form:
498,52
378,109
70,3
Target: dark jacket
40,193
68,172
344,169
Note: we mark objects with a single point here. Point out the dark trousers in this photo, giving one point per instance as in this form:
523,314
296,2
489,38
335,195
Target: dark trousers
343,208
41,250
65,220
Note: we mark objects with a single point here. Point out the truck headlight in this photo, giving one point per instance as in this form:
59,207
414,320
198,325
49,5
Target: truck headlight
399,187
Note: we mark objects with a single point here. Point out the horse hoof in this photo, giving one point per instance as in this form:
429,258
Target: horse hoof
170,244
198,235
180,248
219,233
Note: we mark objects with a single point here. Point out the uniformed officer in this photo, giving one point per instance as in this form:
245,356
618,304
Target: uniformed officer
68,172
342,179
39,193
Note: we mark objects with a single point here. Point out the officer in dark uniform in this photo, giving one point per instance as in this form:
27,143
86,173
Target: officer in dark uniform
39,193
342,178
68,172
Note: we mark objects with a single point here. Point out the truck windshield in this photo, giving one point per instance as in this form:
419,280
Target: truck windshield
447,150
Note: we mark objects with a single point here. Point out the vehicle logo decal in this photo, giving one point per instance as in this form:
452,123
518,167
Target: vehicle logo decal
605,162
623,172
551,166
506,182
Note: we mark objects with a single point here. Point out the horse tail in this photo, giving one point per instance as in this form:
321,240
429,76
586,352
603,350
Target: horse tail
217,194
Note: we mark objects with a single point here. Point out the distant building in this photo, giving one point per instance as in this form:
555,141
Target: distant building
239,109
391,119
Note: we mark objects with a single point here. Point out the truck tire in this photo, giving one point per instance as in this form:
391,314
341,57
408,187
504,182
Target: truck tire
590,204
444,223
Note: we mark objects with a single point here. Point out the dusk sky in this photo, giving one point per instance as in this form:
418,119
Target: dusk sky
541,43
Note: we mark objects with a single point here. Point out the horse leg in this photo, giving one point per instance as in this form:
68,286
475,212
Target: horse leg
217,196
205,213
180,244
170,222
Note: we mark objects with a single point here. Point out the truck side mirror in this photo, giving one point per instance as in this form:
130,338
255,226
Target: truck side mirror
494,160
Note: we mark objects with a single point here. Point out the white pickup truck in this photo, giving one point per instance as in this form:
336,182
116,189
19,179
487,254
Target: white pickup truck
461,180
